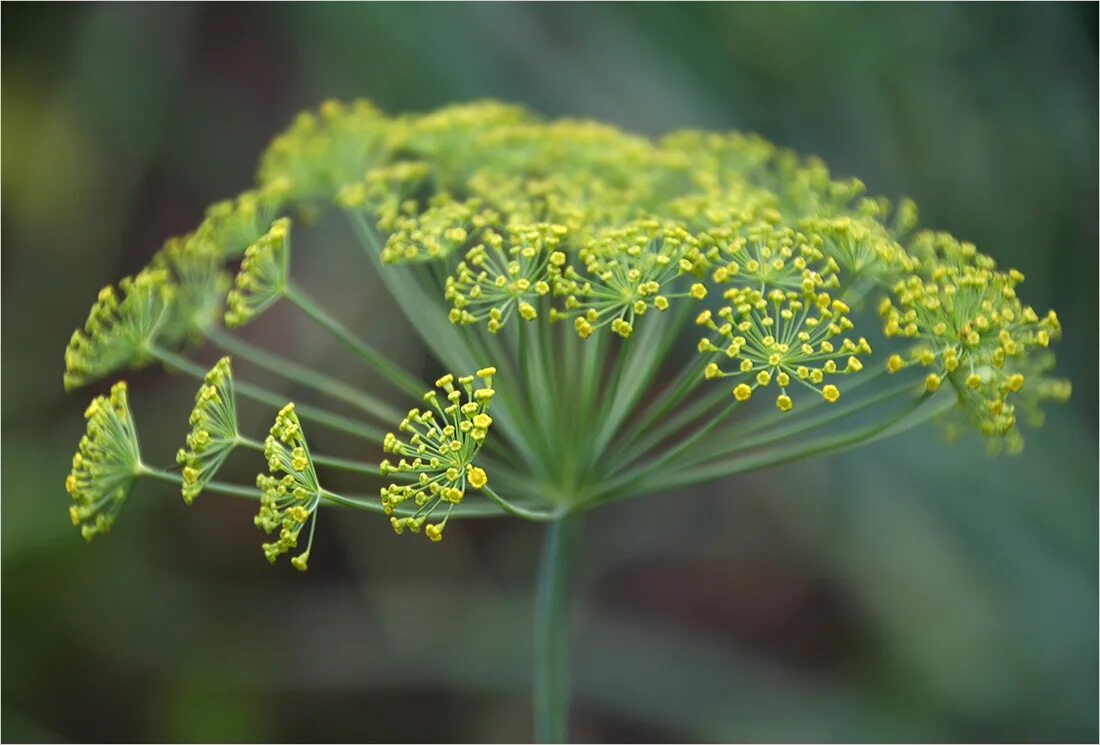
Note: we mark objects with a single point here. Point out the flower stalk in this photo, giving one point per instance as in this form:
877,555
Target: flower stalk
551,628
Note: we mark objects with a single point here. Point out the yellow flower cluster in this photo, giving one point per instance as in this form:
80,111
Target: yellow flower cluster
387,192
627,271
437,447
443,228
504,275
200,283
290,492
862,248
120,328
105,465
213,433
972,330
786,338
232,225
263,277
323,151
764,255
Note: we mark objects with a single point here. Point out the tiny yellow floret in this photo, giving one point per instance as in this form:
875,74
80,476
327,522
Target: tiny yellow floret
476,477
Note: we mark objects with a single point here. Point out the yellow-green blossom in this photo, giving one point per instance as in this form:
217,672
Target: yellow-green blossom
505,275
445,227
969,327
386,192
235,224
213,433
263,277
290,492
121,327
200,286
787,338
437,446
105,465
627,272
324,151
862,248
763,254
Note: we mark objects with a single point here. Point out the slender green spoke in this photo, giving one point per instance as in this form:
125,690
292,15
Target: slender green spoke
374,359
915,414
656,420
355,503
641,363
518,511
346,464
512,405
655,465
328,461
768,434
534,381
303,375
758,430
214,487
365,503
321,417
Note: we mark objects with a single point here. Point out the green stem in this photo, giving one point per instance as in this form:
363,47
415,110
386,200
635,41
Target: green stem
297,373
663,403
635,369
901,422
374,359
264,396
523,512
359,502
327,461
551,684
215,487
821,414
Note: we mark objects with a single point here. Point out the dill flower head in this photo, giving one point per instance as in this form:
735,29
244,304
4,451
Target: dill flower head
626,273
445,227
263,277
387,191
105,465
290,492
213,433
861,246
762,254
503,237
786,338
120,327
506,238
325,150
970,328
200,283
505,275
231,226
437,447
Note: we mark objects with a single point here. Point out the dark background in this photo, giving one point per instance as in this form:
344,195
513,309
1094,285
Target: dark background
910,590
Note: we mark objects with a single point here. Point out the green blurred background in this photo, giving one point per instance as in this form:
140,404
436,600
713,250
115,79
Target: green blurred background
911,590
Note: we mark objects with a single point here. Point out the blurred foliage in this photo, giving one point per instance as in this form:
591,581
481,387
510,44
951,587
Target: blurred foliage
912,590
